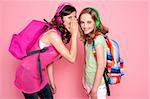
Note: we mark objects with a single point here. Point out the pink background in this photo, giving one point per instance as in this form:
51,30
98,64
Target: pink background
128,24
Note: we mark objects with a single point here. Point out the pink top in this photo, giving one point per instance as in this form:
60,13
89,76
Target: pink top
27,74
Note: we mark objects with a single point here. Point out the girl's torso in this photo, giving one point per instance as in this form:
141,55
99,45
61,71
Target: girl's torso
91,64
27,73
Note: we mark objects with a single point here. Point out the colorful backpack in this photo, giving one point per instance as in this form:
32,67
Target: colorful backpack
114,66
23,41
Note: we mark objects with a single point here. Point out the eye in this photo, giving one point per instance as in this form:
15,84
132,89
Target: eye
70,17
81,22
89,22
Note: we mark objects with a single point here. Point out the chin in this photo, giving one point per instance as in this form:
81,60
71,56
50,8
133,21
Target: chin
87,32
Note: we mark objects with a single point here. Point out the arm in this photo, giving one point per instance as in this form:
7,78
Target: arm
52,37
56,41
100,68
51,78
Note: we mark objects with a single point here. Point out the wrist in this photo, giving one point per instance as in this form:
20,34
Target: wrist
74,36
94,90
51,82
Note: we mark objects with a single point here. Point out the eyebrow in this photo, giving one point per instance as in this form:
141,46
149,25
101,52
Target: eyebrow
86,21
81,21
89,21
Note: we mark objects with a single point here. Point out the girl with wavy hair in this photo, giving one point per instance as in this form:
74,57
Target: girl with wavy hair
92,31
62,29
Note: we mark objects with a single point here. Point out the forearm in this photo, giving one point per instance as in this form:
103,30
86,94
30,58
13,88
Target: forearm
98,78
73,49
50,74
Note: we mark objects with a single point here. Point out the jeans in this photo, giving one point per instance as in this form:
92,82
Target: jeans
44,93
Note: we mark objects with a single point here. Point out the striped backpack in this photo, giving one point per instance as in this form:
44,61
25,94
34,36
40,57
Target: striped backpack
114,66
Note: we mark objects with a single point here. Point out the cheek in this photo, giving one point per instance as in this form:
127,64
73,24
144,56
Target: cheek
82,26
66,22
92,25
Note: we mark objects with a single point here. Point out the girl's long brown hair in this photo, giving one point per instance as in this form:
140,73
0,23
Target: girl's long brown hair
68,9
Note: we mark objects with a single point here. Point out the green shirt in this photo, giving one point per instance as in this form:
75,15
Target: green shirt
91,64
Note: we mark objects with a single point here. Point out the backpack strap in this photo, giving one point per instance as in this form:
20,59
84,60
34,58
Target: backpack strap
39,60
110,46
85,42
45,20
106,81
85,50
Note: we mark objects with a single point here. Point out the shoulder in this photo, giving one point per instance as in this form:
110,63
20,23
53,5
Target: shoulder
51,33
100,40
99,37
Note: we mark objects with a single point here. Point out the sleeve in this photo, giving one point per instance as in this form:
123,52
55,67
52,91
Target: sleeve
100,40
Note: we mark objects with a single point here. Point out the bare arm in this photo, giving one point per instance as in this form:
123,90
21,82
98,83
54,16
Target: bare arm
56,41
50,73
51,77
100,68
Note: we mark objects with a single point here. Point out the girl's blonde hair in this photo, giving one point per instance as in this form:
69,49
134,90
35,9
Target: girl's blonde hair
102,29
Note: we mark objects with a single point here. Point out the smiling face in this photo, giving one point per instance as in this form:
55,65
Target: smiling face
87,23
67,20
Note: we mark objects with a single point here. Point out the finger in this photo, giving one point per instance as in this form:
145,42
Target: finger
54,91
71,24
74,24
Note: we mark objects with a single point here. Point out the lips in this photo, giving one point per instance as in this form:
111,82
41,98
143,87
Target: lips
86,29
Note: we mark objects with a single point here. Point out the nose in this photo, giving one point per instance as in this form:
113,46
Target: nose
85,25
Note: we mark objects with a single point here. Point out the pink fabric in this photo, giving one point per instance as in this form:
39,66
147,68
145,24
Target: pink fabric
24,40
27,74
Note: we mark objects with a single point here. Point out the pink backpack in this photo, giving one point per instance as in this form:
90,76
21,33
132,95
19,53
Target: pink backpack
23,41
